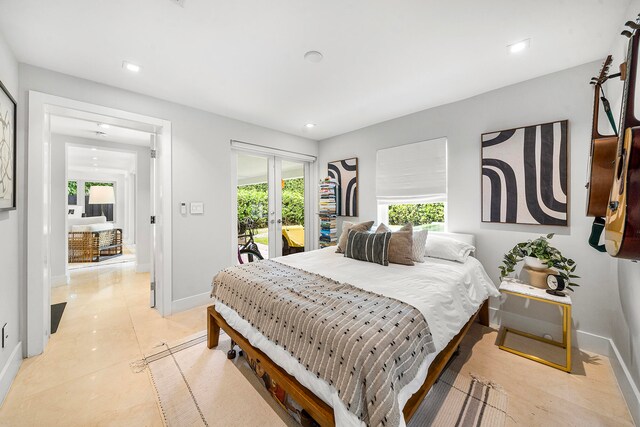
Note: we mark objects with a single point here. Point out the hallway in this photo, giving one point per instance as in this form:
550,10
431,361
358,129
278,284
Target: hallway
106,325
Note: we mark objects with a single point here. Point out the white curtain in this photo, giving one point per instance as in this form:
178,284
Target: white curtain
412,173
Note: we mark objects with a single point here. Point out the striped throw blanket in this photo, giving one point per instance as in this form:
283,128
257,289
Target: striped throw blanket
367,346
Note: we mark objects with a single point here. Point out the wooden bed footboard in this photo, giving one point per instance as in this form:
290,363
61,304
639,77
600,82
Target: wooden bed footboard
316,407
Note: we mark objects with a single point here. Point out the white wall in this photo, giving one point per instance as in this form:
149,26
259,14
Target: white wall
59,197
562,95
201,170
9,250
625,313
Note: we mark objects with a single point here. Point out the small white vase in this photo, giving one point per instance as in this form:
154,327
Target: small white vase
534,263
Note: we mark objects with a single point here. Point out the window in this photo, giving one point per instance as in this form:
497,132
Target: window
411,184
72,192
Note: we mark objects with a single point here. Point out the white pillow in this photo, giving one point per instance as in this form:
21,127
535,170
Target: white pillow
447,248
92,227
419,243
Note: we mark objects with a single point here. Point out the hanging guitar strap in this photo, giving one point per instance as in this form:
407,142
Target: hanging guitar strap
596,231
607,109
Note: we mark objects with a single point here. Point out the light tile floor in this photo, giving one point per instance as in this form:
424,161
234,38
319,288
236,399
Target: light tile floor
84,377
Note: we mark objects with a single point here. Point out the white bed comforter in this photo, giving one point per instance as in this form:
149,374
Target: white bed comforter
447,293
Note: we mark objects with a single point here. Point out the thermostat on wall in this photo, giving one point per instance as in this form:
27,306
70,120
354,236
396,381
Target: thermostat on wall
197,208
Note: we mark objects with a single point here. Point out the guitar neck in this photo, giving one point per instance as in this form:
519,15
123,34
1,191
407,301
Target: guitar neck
629,119
595,134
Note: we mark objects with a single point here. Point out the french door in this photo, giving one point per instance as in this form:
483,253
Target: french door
272,195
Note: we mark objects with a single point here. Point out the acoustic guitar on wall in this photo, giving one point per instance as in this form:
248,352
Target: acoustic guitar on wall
603,150
622,226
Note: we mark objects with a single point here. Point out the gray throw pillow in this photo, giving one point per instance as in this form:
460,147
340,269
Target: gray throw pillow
370,247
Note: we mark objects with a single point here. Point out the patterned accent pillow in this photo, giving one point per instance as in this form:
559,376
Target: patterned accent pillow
419,245
401,244
370,247
348,225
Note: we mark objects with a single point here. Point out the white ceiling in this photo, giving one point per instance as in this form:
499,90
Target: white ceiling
89,129
87,159
382,59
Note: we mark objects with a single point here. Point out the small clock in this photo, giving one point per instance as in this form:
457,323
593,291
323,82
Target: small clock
556,284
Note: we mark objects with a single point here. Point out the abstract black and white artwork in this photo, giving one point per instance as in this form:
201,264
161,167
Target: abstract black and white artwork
7,150
345,172
524,175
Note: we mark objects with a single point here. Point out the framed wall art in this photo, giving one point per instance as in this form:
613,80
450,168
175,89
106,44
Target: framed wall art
345,172
524,175
7,150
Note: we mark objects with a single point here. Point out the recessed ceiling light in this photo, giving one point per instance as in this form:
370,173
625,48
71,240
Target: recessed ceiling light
313,56
310,125
103,125
94,158
519,46
94,149
95,164
130,67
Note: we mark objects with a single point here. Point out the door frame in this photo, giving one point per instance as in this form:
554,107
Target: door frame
38,294
310,204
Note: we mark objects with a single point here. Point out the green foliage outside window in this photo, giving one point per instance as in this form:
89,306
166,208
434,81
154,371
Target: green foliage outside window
416,214
88,185
253,203
72,188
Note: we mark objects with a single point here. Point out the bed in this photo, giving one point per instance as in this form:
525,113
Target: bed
448,294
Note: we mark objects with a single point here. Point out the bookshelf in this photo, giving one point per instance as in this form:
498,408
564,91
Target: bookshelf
328,210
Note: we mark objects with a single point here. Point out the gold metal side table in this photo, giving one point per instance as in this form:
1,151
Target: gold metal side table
519,289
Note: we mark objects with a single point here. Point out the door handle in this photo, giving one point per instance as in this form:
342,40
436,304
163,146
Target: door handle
273,221
279,221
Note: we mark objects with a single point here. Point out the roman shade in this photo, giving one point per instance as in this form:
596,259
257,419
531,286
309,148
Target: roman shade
412,173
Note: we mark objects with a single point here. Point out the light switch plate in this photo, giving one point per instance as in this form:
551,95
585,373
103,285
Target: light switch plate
197,208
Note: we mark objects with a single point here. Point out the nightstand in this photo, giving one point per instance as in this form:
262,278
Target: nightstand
522,290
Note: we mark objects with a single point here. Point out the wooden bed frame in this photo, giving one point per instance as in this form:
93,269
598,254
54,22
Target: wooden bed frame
316,407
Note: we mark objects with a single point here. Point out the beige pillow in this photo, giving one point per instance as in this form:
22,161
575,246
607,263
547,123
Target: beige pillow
400,245
346,226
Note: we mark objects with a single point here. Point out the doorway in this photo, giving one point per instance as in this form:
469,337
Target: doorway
100,189
272,195
42,108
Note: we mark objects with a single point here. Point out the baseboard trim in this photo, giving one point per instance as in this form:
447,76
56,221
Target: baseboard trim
627,385
190,302
9,371
580,339
61,280
143,268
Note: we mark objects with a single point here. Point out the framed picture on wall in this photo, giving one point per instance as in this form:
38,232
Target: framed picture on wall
345,172
524,175
7,150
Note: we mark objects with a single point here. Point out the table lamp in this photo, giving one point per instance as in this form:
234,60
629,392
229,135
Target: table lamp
101,195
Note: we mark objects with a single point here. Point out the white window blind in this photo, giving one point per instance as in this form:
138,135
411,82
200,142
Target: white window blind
414,173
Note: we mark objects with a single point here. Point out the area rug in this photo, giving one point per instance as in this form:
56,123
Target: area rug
196,386
460,400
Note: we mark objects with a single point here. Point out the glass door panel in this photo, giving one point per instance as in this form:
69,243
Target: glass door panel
271,206
292,187
253,173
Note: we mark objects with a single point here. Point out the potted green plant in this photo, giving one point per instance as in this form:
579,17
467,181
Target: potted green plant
538,254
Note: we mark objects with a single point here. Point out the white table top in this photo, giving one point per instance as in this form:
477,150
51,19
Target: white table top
519,287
